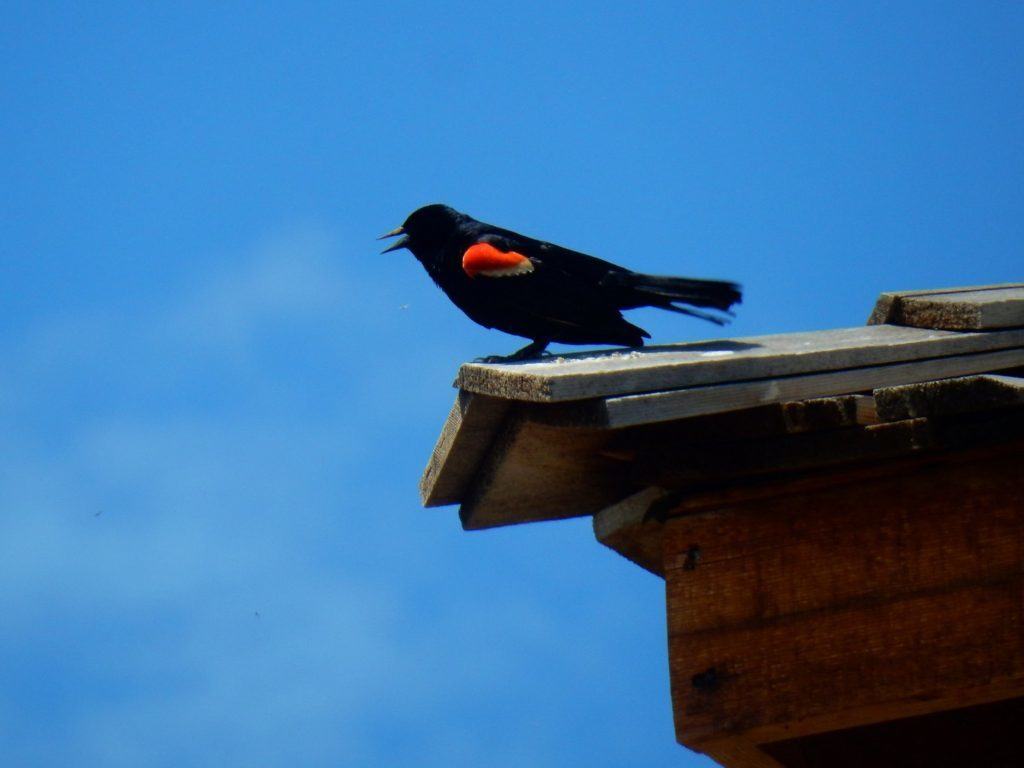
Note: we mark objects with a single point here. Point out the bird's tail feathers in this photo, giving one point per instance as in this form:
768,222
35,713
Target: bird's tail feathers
716,319
667,292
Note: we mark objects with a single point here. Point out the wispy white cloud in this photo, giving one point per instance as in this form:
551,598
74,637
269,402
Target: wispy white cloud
216,315
290,277
179,520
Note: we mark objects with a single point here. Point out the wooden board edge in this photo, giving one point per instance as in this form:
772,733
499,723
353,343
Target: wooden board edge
884,310
465,438
897,308
627,528
533,472
636,410
736,753
951,396
567,385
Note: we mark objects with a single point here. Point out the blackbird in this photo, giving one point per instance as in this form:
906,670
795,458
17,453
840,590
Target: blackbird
544,292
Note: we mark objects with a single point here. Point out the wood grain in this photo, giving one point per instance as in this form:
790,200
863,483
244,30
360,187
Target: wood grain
628,528
967,394
537,472
465,438
937,527
841,606
828,413
841,665
983,307
632,410
639,542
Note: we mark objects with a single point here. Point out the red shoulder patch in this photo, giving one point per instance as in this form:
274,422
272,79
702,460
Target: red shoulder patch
484,259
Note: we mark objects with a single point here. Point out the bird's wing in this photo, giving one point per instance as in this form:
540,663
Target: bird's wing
539,280
579,265
623,287
505,253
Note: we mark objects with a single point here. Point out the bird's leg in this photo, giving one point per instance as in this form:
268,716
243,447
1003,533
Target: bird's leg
534,349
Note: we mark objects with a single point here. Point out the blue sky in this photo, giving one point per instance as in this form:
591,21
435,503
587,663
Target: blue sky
216,398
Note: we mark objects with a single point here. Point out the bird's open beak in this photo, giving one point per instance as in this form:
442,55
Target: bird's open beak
398,243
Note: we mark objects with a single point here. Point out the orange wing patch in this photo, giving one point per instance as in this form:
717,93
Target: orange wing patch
484,259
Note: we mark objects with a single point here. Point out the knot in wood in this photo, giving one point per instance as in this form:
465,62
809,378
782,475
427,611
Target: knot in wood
692,558
708,680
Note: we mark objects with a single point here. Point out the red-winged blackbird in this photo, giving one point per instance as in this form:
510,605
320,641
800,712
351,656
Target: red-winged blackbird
541,291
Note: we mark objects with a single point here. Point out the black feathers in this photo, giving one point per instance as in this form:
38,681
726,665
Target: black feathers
545,292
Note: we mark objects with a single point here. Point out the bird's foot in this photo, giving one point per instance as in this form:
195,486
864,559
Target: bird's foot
532,350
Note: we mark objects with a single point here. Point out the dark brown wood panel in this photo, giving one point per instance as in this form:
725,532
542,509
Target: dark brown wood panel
941,526
833,669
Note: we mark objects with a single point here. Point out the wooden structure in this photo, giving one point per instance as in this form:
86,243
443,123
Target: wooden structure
838,517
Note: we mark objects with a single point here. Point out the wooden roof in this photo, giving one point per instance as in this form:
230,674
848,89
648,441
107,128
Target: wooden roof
571,435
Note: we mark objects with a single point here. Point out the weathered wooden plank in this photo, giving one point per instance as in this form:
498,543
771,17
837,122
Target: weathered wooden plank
885,310
828,413
833,669
629,529
581,376
965,394
983,307
966,311
465,438
538,472
926,530
632,410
